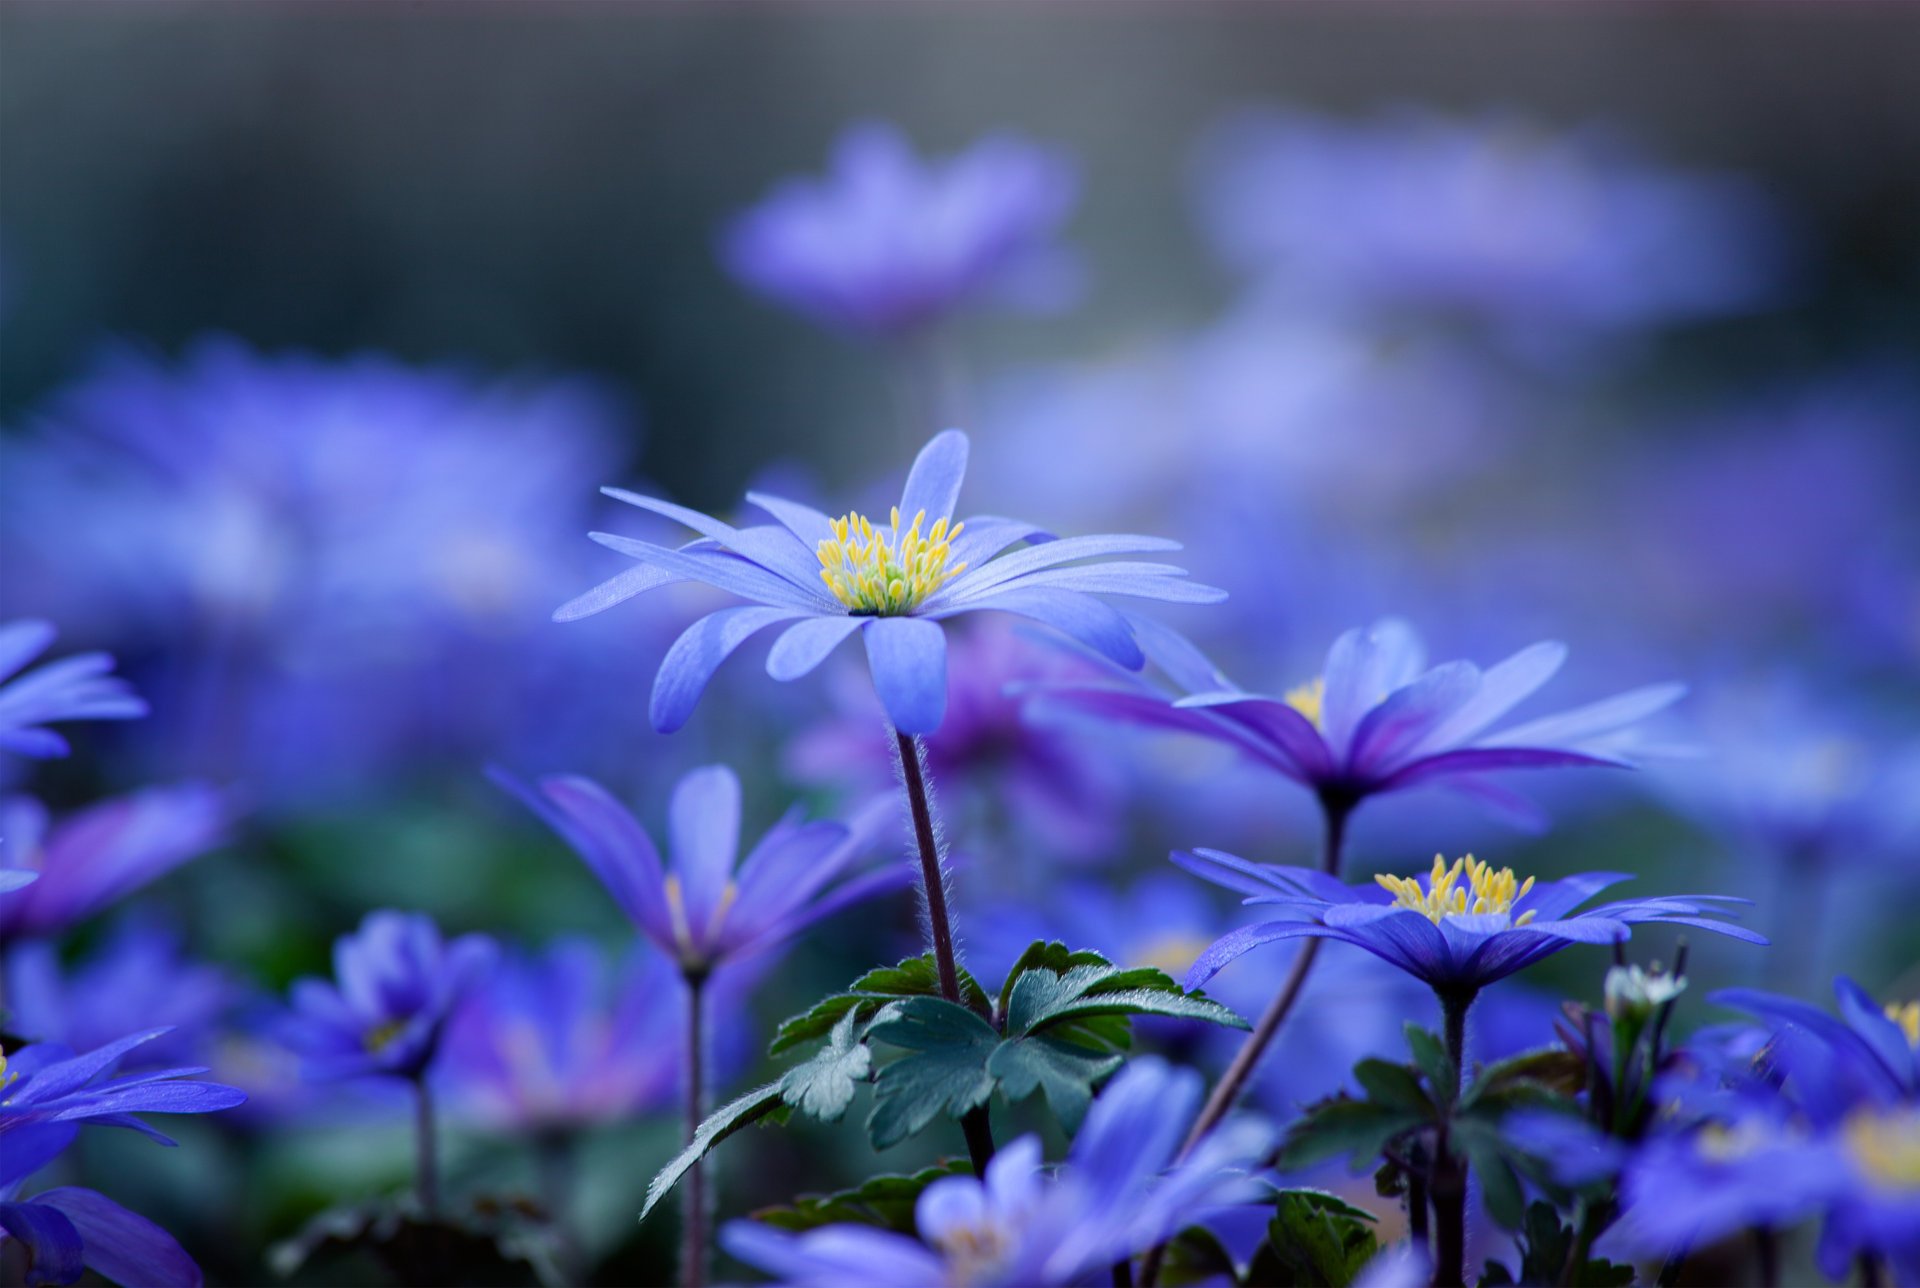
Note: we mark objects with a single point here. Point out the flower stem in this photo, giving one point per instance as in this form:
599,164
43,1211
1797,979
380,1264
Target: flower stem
1449,1186
693,1217
933,888
1336,810
426,1158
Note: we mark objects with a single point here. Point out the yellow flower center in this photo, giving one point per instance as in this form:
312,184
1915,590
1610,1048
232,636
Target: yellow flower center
378,1039
1487,890
1886,1146
1308,699
972,1251
1721,1144
884,572
683,932
1907,1016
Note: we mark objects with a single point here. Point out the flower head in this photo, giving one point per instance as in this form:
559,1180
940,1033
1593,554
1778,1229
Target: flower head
1119,1192
395,983
706,906
1377,719
93,857
74,688
887,244
827,579
1451,937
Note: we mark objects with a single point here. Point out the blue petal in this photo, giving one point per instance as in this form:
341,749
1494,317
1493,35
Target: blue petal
908,658
617,589
703,829
719,569
987,535
1504,686
979,579
1237,943
1387,734
805,645
1877,1030
698,653
1570,728
607,837
1099,626
1167,583
53,1245
803,521
1365,665
121,1245
933,485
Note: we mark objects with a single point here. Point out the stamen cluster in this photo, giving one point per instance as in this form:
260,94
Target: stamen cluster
1886,1146
885,572
1907,1016
1308,699
1491,890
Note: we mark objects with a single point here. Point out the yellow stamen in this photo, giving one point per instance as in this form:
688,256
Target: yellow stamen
1487,890
884,572
677,910
1907,1016
1309,699
377,1039
1886,1146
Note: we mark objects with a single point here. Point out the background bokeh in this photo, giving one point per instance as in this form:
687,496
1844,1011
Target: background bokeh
319,326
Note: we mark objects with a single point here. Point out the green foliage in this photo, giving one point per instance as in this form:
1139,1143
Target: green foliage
1315,1240
1546,1246
1430,1057
883,1201
1196,1256
914,977
1344,1127
488,1243
947,1071
824,1085
1062,1071
730,1118
1552,1069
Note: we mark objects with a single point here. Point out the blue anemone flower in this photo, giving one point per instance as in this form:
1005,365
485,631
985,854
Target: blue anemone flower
706,906
896,585
395,983
90,858
888,244
1457,936
1119,1192
73,688
1378,719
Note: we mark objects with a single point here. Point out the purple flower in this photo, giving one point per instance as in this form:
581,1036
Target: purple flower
395,983
557,1041
74,688
89,859
1119,1192
706,906
1377,719
895,585
1456,936
888,244
67,1230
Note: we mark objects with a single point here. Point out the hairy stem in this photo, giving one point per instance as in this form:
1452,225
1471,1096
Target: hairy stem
693,1220
1449,1170
933,887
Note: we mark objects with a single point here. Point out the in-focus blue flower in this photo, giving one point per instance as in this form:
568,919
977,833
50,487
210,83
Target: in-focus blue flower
46,1094
707,907
395,983
895,585
1456,936
1119,1192
1378,719
888,244
136,976
88,859
557,1041
74,688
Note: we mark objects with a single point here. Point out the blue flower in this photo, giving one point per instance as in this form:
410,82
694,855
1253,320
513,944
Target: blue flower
888,244
395,983
1119,1192
46,1095
1456,936
91,858
557,1041
1378,719
708,907
894,584
74,688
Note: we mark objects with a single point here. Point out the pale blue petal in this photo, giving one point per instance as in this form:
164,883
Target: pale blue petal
716,568
698,653
617,589
805,645
908,658
703,838
1570,728
1099,626
933,485
979,580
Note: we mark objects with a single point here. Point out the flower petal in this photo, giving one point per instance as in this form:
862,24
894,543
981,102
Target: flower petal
121,1245
605,834
53,1246
703,838
979,579
698,653
803,521
1569,728
1504,686
987,535
617,589
805,644
1387,734
717,568
1291,736
1082,617
933,484
1363,667
908,658
1237,943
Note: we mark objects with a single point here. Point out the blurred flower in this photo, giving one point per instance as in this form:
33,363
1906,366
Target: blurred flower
888,244
1496,220
395,983
74,688
704,911
353,548
1634,991
67,1230
1452,937
137,976
1013,779
89,859
894,586
556,1041
1119,1192
1377,719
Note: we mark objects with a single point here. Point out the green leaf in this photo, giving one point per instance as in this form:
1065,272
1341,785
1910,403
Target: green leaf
1553,1068
1430,1057
947,1072
730,1118
1326,1199
824,1085
883,1201
1041,999
1063,1072
1140,1001
1486,1154
1393,1085
1196,1256
1041,954
1359,1129
914,977
1313,1243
